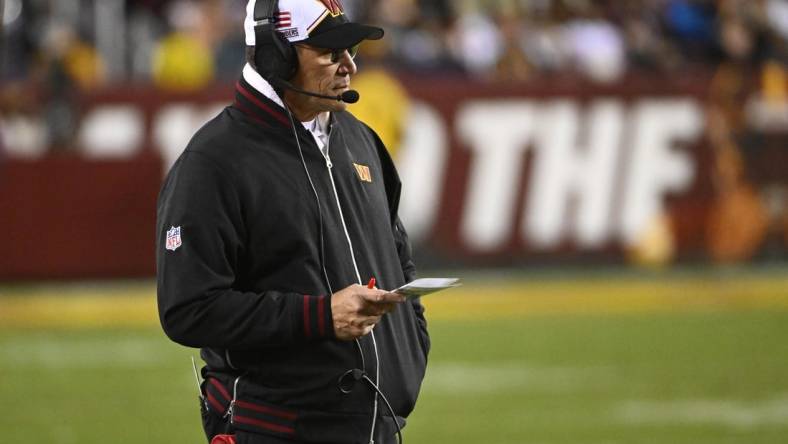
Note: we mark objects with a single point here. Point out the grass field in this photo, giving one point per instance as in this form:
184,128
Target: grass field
599,359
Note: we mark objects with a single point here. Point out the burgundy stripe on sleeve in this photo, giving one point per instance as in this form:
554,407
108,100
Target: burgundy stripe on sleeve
307,327
321,322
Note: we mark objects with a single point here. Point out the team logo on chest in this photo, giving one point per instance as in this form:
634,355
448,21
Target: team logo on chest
173,238
363,172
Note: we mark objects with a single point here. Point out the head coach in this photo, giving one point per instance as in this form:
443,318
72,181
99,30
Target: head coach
272,227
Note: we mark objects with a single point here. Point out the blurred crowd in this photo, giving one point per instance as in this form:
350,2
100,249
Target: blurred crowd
185,44
55,50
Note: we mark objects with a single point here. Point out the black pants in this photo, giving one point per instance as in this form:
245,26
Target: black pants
215,425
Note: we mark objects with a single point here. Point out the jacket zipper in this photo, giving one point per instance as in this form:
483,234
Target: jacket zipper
329,166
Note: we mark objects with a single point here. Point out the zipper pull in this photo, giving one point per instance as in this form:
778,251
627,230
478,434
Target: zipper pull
328,162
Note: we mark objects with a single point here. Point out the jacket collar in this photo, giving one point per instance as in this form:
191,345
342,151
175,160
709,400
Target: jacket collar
262,86
256,105
256,98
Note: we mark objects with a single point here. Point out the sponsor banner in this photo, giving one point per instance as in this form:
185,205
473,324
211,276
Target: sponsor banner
547,171
503,174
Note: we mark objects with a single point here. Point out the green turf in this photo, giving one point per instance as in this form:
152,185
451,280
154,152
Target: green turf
678,378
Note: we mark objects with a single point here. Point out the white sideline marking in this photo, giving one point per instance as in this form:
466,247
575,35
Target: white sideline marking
481,378
80,353
736,414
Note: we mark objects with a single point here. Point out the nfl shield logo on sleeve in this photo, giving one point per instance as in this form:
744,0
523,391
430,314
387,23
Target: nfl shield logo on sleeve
173,238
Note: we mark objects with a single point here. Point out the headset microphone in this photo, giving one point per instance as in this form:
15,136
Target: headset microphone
349,96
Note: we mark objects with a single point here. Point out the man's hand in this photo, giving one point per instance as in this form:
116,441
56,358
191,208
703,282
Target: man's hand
356,309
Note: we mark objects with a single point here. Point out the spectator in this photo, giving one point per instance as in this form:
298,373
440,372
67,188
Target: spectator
595,45
478,44
183,60
68,64
513,64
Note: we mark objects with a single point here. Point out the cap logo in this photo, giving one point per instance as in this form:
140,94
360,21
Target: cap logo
334,7
173,238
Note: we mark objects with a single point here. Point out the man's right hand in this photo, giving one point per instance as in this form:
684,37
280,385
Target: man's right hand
356,309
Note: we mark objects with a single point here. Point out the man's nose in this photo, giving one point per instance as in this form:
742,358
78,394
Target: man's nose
346,64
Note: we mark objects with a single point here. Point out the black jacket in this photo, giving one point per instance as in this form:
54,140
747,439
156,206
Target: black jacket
245,280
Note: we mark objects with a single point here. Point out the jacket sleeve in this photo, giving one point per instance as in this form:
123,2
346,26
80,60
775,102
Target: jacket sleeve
393,189
198,306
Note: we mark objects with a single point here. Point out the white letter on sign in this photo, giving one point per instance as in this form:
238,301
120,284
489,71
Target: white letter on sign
422,165
498,134
654,168
569,168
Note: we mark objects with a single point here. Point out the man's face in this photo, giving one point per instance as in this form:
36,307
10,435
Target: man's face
318,73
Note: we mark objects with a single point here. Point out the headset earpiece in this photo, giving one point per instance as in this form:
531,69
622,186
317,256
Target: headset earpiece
274,56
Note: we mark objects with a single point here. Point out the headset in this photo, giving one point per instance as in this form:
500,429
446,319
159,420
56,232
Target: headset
276,59
274,56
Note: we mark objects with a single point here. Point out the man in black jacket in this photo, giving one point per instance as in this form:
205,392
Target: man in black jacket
271,227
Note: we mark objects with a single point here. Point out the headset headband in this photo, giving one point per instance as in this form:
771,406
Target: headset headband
264,9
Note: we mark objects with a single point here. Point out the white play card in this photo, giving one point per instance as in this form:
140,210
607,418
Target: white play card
423,286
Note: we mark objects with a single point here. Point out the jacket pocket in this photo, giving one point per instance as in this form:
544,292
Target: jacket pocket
421,331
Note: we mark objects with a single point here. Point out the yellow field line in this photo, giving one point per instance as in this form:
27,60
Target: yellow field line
593,296
135,305
84,308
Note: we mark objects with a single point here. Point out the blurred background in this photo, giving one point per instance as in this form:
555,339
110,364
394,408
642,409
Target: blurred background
609,178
